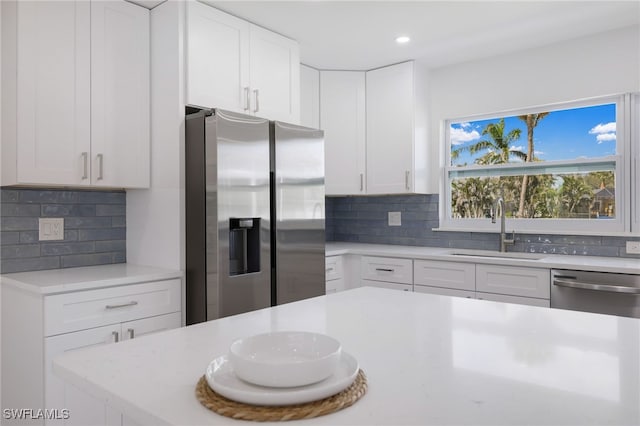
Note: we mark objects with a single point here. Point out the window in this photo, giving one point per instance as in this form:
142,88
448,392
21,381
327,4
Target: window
559,169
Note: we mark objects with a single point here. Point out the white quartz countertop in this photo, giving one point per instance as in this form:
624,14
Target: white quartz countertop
582,263
85,278
429,360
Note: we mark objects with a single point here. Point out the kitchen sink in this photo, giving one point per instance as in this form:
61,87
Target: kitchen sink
497,254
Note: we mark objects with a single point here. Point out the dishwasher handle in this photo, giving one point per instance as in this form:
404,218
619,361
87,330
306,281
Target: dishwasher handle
592,286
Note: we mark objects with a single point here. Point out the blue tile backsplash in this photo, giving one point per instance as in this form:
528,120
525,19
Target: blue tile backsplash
365,220
94,228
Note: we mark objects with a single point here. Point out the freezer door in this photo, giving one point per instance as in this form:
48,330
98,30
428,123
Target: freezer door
238,185
298,209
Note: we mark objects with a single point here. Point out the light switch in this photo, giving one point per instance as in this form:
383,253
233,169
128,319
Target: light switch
395,219
51,229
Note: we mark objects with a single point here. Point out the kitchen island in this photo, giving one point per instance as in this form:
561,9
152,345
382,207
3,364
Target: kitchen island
428,359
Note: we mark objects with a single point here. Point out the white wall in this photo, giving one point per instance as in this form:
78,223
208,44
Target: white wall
155,217
602,64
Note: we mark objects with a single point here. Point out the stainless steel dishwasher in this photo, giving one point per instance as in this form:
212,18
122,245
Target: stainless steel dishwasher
600,292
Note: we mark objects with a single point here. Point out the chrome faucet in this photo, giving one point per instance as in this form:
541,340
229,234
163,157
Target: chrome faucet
499,204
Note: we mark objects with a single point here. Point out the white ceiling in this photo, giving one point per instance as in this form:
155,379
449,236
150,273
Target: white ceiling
359,35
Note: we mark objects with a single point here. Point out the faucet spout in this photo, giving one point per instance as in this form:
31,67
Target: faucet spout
499,205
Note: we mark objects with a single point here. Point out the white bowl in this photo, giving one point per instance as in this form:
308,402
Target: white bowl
285,359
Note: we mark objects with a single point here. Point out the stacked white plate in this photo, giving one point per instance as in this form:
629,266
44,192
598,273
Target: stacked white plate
282,368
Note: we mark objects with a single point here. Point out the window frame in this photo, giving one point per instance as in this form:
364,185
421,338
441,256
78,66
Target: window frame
627,162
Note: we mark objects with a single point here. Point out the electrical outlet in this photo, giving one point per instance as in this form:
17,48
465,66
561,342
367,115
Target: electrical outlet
633,247
51,229
395,219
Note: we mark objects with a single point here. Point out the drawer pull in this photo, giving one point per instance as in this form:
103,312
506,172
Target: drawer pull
131,333
329,269
116,336
384,269
123,305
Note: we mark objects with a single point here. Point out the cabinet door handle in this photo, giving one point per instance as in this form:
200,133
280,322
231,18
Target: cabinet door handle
406,180
116,336
384,269
256,94
246,98
131,333
122,305
329,269
85,159
100,164
361,182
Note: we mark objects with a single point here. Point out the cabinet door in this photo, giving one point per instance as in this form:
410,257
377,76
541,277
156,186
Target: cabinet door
390,129
53,92
83,408
309,97
274,73
514,281
342,117
141,327
217,59
120,101
452,275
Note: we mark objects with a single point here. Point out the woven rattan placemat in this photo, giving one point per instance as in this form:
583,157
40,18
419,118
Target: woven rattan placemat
262,413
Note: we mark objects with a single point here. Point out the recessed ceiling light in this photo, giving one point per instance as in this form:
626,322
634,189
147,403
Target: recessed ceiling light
402,39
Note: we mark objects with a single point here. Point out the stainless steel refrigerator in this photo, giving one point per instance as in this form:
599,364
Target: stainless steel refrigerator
254,213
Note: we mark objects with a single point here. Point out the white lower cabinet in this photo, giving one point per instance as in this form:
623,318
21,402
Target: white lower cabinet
334,274
64,322
387,272
513,280
509,284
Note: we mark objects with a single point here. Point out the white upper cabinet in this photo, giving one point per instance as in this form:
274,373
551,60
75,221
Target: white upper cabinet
309,97
274,74
217,59
342,117
78,75
120,102
52,129
235,65
396,130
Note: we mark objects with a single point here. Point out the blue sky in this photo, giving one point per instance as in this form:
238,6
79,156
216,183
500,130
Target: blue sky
587,132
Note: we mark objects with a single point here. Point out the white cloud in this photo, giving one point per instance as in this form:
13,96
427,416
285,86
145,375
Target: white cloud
516,148
606,137
465,125
539,152
603,128
460,136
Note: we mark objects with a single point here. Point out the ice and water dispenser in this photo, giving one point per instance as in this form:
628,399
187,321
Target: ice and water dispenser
244,245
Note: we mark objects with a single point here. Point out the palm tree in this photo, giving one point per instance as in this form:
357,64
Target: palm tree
573,191
497,145
531,120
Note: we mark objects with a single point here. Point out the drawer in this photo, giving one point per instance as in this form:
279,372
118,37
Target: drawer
444,291
333,267
392,286
514,281
334,286
93,308
387,269
453,275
